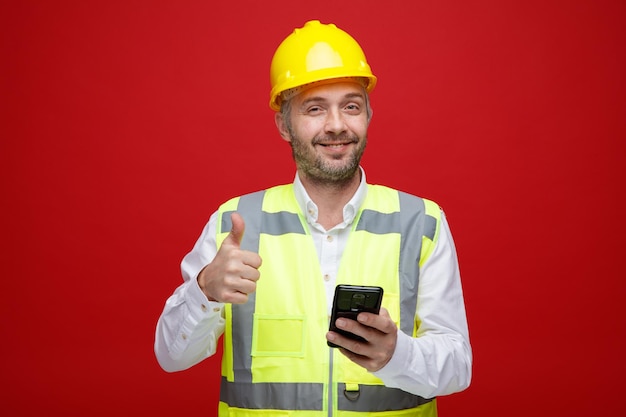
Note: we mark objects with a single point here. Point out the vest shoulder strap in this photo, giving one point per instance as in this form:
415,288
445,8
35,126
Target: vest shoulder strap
415,208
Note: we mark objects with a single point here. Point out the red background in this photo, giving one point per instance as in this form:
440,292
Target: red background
125,123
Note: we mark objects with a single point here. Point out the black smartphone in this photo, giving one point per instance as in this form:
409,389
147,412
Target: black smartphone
349,301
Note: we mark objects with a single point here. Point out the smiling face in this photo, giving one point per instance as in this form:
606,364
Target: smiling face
326,126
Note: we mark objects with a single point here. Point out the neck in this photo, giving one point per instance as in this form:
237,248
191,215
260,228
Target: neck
330,197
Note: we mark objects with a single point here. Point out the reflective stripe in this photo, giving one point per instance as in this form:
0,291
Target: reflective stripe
375,398
273,396
309,396
274,224
379,223
412,209
250,209
430,227
281,223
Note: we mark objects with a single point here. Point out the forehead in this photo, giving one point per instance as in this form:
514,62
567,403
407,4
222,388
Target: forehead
332,91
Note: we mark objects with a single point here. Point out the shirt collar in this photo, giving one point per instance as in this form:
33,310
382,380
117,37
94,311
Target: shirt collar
309,208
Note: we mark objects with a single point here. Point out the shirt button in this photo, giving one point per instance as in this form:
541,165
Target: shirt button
184,336
216,309
326,277
203,307
329,238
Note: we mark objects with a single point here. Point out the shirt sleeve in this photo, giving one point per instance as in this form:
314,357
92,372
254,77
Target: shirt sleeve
438,361
190,325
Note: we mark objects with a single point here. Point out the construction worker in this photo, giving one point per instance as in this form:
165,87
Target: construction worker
263,273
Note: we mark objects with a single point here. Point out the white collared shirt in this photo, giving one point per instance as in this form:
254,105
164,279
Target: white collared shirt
436,362
329,243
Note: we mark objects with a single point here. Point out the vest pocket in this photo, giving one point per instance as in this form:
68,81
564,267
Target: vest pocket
275,335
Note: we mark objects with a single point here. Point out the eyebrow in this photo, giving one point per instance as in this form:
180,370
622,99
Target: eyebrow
316,99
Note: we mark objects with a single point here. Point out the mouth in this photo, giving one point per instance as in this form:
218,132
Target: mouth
335,145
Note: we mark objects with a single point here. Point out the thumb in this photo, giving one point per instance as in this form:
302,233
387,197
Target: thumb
238,227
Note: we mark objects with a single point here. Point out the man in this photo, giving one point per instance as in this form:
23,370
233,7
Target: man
269,290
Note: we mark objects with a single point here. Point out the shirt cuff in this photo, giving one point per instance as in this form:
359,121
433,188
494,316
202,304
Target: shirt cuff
199,305
197,321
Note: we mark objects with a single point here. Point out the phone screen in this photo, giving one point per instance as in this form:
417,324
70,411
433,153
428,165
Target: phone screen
349,301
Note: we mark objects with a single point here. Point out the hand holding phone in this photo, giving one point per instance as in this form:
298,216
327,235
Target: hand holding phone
349,301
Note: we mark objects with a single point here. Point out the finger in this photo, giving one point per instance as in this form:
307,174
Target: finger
381,322
250,273
338,339
236,231
356,347
235,297
251,259
352,326
245,286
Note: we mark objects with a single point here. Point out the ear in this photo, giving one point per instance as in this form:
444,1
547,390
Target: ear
282,126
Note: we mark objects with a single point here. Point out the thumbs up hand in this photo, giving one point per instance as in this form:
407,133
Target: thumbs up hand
233,273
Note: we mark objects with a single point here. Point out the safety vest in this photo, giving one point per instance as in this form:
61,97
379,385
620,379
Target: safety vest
275,359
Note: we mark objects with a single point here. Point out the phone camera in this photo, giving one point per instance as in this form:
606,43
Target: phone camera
358,301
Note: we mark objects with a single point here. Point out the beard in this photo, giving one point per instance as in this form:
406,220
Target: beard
322,170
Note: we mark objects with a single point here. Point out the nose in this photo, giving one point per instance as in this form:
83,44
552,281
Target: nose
335,122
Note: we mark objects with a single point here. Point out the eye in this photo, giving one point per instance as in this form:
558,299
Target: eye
353,108
314,110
